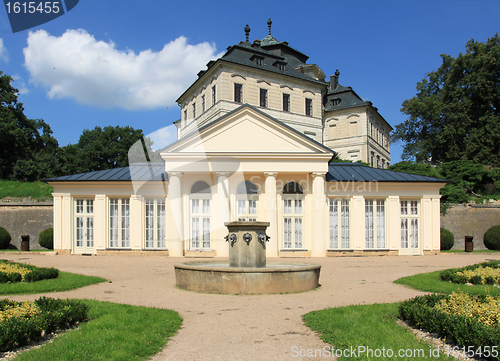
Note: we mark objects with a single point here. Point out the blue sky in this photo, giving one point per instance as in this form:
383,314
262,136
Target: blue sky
125,62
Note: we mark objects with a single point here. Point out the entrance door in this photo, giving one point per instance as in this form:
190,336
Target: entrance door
84,226
410,242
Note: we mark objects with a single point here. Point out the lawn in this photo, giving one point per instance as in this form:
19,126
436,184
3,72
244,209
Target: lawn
35,190
369,329
113,332
66,281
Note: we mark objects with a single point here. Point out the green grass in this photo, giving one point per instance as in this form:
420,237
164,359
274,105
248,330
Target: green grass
35,190
113,332
475,251
66,281
430,282
371,326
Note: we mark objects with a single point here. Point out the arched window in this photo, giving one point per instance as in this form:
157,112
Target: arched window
247,198
293,204
200,199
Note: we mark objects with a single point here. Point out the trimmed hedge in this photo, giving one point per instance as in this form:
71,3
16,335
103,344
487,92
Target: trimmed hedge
46,238
492,238
5,238
54,315
35,273
447,240
464,331
453,276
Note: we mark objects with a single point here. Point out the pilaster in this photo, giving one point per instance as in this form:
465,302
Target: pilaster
271,213
174,195
317,233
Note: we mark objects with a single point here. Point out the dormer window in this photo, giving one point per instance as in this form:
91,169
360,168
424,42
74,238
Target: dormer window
258,60
280,65
336,101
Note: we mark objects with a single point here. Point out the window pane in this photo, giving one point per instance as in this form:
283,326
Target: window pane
334,224
252,207
298,232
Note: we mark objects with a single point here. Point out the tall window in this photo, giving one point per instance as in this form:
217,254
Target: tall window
309,109
246,198
155,223
185,117
119,223
84,224
293,211
203,104
263,98
409,224
339,223
238,93
214,99
194,111
200,215
286,102
374,223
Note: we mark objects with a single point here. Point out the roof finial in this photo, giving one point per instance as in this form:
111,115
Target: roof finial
269,23
247,31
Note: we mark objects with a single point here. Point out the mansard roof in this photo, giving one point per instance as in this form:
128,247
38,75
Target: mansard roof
357,172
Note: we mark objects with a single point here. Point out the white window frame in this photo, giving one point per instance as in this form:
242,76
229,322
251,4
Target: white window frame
119,229
339,221
200,220
410,224
375,224
84,223
154,223
293,222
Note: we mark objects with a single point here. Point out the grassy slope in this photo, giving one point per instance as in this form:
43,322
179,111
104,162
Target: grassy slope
35,190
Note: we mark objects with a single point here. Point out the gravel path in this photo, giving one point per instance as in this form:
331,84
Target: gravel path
237,327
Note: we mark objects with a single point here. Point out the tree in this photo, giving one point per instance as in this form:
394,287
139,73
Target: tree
455,114
28,147
99,149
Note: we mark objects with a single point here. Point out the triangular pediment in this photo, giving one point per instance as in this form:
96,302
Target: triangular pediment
247,130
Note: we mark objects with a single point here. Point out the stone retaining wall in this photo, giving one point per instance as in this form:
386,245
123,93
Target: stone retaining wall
470,220
25,217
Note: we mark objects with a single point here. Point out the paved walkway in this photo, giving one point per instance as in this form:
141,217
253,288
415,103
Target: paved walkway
236,327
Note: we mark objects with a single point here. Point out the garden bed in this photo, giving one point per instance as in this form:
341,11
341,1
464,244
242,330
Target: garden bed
12,272
486,273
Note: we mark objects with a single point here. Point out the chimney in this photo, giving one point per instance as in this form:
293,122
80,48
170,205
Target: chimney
334,80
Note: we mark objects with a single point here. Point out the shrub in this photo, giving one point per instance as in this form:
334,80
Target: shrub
447,239
492,238
4,238
39,274
46,238
465,331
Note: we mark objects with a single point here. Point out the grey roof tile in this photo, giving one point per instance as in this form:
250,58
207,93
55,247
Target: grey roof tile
357,172
139,172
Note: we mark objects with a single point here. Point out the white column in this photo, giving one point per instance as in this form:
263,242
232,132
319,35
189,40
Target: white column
67,222
318,234
393,221
426,219
220,213
101,222
57,209
357,223
271,213
136,222
436,223
174,196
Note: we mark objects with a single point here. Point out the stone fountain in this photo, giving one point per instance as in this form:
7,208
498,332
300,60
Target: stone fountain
247,271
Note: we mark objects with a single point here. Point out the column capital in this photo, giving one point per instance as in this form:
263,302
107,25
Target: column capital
175,174
270,174
222,174
318,174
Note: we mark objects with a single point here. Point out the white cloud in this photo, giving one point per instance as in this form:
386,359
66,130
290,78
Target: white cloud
76,65
20,85
4,54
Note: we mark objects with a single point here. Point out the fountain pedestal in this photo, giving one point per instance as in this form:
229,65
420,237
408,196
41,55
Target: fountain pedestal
247,243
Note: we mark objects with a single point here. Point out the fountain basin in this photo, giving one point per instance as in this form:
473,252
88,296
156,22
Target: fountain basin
217,277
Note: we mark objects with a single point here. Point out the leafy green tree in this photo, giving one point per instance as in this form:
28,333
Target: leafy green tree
28,147
456,112
99,149
416,168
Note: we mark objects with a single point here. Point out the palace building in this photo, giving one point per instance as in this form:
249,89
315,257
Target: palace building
257,138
